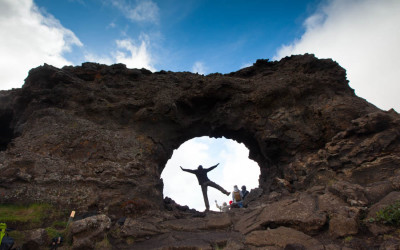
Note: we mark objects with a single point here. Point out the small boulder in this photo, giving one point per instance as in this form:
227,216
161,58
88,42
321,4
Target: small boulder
340,226
87,232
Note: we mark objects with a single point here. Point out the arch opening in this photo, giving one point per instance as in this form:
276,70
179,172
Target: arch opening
235,168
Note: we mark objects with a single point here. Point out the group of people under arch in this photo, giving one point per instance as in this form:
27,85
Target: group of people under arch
237,199
237,195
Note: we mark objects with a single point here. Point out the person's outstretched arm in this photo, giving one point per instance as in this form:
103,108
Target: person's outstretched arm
211,168
187,170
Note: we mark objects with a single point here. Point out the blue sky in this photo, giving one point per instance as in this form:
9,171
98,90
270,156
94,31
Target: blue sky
205,36
218,34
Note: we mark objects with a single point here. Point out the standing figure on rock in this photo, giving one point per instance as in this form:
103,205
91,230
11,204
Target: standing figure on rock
237,197
204,182
244,192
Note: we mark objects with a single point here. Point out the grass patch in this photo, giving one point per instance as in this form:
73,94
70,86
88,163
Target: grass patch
30,216
348,239
19,213
60,224
52,232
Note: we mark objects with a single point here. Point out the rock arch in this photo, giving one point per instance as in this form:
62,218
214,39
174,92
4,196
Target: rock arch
97,135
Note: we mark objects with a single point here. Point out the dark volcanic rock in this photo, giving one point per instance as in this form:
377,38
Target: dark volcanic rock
282,237
98,137
298,212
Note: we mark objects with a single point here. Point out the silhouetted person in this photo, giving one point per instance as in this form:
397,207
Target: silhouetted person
204,182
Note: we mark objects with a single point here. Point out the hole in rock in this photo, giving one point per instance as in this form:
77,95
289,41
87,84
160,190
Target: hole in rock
235,168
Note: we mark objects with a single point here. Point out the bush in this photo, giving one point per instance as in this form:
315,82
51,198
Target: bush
389,214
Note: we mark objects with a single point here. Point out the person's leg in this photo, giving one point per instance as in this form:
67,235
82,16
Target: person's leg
216,186
205,196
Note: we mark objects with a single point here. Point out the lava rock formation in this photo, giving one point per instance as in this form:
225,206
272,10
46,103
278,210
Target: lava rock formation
97,137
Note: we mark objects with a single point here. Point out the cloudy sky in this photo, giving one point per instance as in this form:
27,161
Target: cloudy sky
205,36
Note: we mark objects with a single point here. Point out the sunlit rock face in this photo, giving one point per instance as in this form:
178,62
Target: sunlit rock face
97,137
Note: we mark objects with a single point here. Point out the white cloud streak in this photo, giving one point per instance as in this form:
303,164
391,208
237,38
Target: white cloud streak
199,68
245,65
235,168
143,11
30,37
134,54
363,36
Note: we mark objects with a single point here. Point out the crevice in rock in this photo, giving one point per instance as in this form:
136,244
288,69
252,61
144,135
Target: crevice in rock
6,130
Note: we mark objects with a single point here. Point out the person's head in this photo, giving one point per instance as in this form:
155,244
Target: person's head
224,204
235,188
200,167
243,187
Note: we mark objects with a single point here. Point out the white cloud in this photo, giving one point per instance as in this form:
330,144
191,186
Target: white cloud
143,11
363,37
239,170
134,54
28,38
235,168
199,68
103,59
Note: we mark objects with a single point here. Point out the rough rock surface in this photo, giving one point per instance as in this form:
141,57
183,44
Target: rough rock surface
97,137
295,211
282,237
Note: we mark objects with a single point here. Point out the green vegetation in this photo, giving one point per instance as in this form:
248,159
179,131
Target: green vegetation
348,239
38,215
389,214
34,213
60,224
25,217
52,233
